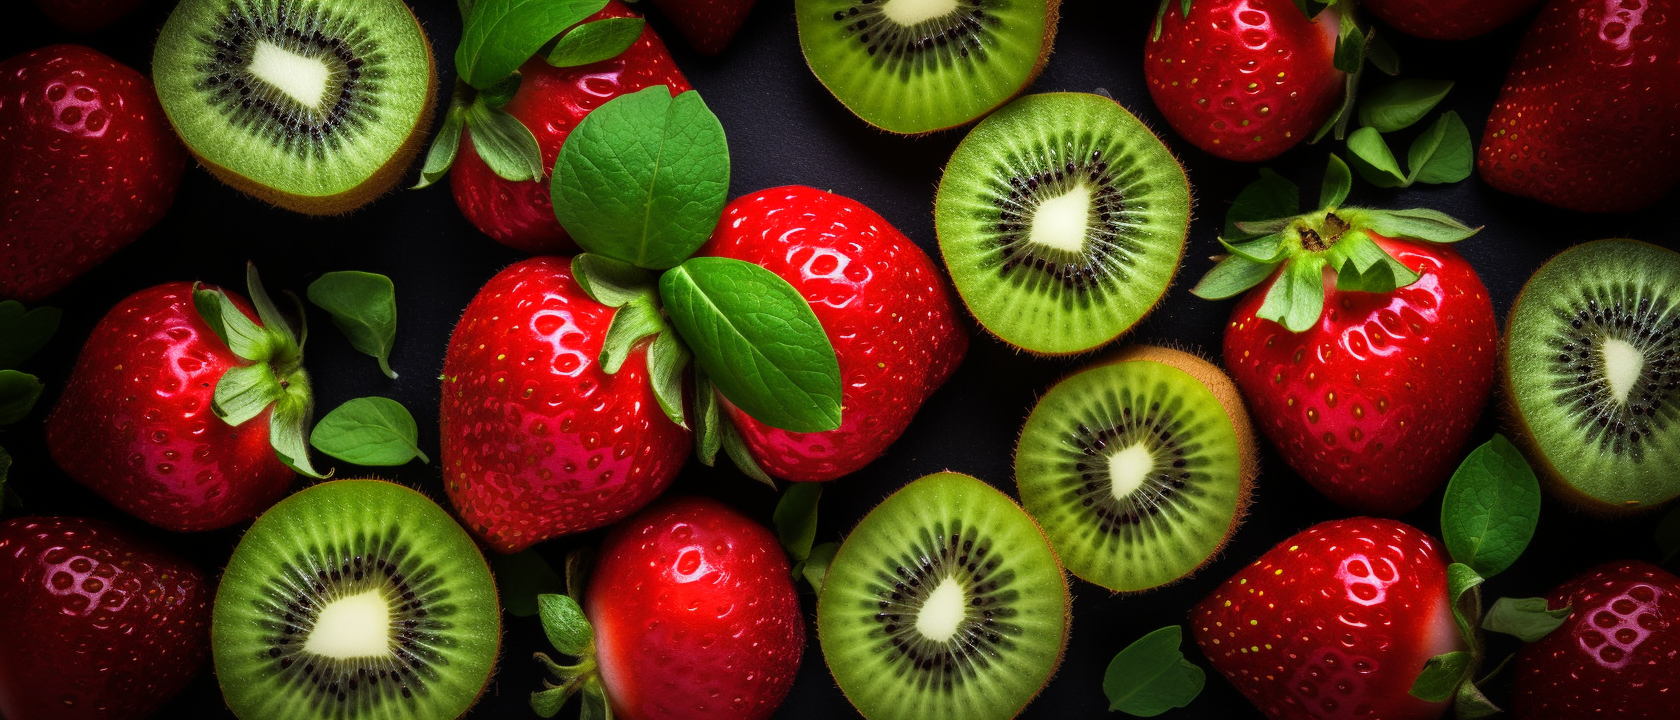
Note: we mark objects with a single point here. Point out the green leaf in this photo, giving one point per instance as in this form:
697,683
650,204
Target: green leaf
1442,154
244,392
501,93
667,358
757,340
630,325
521,577
1151,676
738,453
1369,268
500,35
364,307
1416,224
1338,121
1491,508
1231,277
564,624
1338,182
708,430
1369,155
1441,676
18,393
1382,55
1269,198
244,337
284,341
1296,298
1470,704
1464,590
1528,619
371,431
596,41
287,424
613,282
643,178
1266,250
504,143
1350,49
445,146
22,333
815,567
595,705
796,518
547,703
1399,105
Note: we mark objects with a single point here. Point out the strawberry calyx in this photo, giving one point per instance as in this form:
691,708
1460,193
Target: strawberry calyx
571,633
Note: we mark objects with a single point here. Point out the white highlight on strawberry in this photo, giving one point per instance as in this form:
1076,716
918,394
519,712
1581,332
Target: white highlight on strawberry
1128,469
943,611
1061,221
1622,365
910,12
302,78
356,626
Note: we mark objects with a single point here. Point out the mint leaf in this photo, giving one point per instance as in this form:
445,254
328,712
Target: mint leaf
1442,154
796,518
613,283
815,567
1231,277
1151,676
372,431
757,340
1369,155
445,146
643,178
18,393
565,625
1417,223
1338,182
1399,105
1441,676
504,143
1383,58
364,307
22,333
521,577
1527,619
500,35
1269,198
593,42
1296,298
1491,508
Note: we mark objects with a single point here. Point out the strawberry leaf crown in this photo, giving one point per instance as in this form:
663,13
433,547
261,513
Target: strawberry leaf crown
1299,248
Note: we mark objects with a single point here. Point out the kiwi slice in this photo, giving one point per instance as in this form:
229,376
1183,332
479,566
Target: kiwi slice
313,105
1592,373
915,66
1062,219
1140,468
945,602
355,599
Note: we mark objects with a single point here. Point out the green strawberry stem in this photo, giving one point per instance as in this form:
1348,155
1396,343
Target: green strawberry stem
569,631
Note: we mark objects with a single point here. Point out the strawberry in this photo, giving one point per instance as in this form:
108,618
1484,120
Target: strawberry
708,25
1589,118
693,615
1244,79
1616,655
550,102
91,164
880,299
1447,19
85,16
1335,622
167,422
538,439
99,623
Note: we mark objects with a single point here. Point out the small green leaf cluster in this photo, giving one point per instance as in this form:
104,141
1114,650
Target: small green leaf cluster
1443,153
796,527
370,431
1151,676
1356,45
22,334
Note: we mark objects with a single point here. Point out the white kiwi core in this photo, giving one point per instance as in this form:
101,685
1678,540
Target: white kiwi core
942,612
1622,364
302,78
355,626
911,12
1128,469
1062,221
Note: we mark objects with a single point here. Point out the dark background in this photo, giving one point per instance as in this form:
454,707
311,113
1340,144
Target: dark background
784,128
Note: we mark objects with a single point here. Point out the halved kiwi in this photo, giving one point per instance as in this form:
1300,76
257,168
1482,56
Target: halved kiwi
945,602
355,599
313,105
915,66
1062,220
1140,468
1592,373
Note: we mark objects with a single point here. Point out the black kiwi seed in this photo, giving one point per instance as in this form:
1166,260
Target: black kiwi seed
1583,386
1167,486
957,33
1017,196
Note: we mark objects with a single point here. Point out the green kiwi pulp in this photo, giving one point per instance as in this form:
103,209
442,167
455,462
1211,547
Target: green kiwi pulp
945,602
1062,220
355,599
313,105
1138,469
915,66
1592,372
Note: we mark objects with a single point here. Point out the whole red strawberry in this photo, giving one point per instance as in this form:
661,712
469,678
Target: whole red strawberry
550,102
539,440
1335,622
1616,656
883,304
708,25
91,163
1589,118
99,624
1244,79
85,16
1447,19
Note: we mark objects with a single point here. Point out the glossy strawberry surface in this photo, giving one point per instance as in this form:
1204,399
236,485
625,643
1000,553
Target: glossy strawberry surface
100,625
1244,79
1373,404
135,422
1447,19
1616,656
695,615
1589,118
1335,622
550,102
84,16
886,309
538,440
708,25
90,164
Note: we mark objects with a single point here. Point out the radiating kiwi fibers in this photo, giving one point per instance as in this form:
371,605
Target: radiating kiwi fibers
1140,468
945,602
1592,369
355,599
1062,220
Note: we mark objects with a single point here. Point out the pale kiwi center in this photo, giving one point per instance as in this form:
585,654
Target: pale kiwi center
354,626
1061,221
1128,469
302,78
943,611
911,12
1622,364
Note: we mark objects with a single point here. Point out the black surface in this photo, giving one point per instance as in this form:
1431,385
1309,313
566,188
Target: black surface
784,128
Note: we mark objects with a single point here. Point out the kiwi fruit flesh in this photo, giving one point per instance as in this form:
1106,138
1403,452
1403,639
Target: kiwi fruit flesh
316,106
355,599
1139,468
1062,219
1592,373
915,66
946,602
